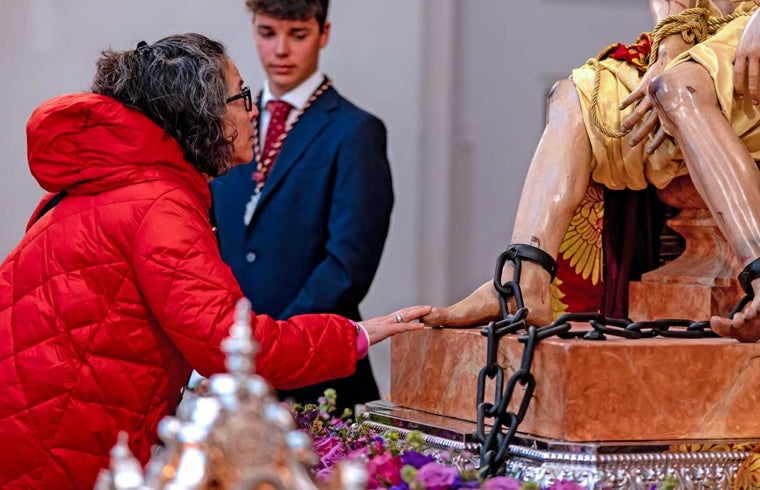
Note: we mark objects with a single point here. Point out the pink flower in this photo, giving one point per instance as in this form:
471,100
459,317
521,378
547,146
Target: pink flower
435,476
384,470
501,483
324,445
333,456
359,453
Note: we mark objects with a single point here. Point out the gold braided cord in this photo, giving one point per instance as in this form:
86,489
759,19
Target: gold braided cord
693,24
596,118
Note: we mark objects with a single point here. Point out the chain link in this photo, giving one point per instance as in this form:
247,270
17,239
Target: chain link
495,441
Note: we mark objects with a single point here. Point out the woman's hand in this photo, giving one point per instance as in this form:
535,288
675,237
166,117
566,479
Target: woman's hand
403,320
747,64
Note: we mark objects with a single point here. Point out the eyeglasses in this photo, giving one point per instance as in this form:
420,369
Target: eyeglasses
246,96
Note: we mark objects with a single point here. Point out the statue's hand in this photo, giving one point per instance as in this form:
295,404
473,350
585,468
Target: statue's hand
643,120
747,64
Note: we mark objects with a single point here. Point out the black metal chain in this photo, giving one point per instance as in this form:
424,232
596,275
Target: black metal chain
495,442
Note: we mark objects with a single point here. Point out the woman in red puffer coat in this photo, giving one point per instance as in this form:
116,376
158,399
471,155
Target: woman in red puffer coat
114,295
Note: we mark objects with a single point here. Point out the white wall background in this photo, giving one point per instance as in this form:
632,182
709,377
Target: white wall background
460,85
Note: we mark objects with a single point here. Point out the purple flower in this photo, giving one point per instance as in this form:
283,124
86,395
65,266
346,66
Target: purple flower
324,475
435,476
359,443
361,452
337,424
565,485
465,484
333,456
401,486
501,483
307,416
376,445
415,459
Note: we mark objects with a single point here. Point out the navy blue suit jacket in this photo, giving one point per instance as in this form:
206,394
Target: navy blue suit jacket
316,237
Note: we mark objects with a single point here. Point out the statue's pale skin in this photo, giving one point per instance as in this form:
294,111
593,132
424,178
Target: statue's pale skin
680,102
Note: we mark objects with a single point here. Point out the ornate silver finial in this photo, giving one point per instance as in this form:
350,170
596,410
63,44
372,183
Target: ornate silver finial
239,436
125,472
239,346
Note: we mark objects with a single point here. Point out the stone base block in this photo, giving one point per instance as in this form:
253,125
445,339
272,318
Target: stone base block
648,301
613,390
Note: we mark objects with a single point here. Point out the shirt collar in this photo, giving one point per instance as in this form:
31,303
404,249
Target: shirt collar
299,96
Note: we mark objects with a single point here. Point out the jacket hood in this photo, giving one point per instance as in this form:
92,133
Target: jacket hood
89,143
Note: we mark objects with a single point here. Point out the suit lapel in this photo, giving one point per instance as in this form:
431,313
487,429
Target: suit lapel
311,124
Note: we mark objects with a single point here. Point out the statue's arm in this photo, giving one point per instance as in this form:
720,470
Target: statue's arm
747,61
643,120
663,8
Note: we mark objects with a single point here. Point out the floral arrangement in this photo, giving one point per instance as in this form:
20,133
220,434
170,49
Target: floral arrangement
393,463
397,464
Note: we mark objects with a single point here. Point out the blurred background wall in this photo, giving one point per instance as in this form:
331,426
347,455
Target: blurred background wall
460,85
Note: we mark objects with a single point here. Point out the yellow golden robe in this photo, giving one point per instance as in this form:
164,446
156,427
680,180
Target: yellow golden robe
616,164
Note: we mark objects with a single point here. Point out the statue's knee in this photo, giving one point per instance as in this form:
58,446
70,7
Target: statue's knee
562,91
680,90
664,90
562,102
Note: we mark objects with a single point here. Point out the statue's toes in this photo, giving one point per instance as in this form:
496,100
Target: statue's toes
721,326
436,317
741,328
749,331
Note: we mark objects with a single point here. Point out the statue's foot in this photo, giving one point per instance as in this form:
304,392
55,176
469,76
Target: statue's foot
482,306
479,308
744,326
535,286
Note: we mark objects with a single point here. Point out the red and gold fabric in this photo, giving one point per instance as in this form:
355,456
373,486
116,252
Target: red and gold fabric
747,476
578,286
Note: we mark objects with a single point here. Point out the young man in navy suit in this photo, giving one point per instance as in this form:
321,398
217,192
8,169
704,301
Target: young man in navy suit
304,224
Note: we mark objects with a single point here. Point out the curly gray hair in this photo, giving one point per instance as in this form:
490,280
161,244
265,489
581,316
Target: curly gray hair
179,83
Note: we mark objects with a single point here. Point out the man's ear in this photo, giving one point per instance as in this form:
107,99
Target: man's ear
324,36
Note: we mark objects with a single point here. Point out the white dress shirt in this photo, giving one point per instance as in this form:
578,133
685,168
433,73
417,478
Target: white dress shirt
298,97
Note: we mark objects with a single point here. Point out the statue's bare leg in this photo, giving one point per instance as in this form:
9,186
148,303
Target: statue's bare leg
722,170
554,187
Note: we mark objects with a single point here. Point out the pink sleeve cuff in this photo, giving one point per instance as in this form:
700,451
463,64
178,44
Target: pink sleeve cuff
362,340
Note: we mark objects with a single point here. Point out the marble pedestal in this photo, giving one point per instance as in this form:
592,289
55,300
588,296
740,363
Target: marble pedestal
614,390
698,284
701,282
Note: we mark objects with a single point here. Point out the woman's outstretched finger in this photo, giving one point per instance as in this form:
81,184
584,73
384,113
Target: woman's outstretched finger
411,313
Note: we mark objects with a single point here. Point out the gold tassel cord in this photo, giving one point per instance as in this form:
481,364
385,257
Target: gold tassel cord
595,116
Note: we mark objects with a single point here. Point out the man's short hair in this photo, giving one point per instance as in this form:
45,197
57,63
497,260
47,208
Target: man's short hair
291,9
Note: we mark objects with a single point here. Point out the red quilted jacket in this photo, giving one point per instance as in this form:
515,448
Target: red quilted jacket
113,296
